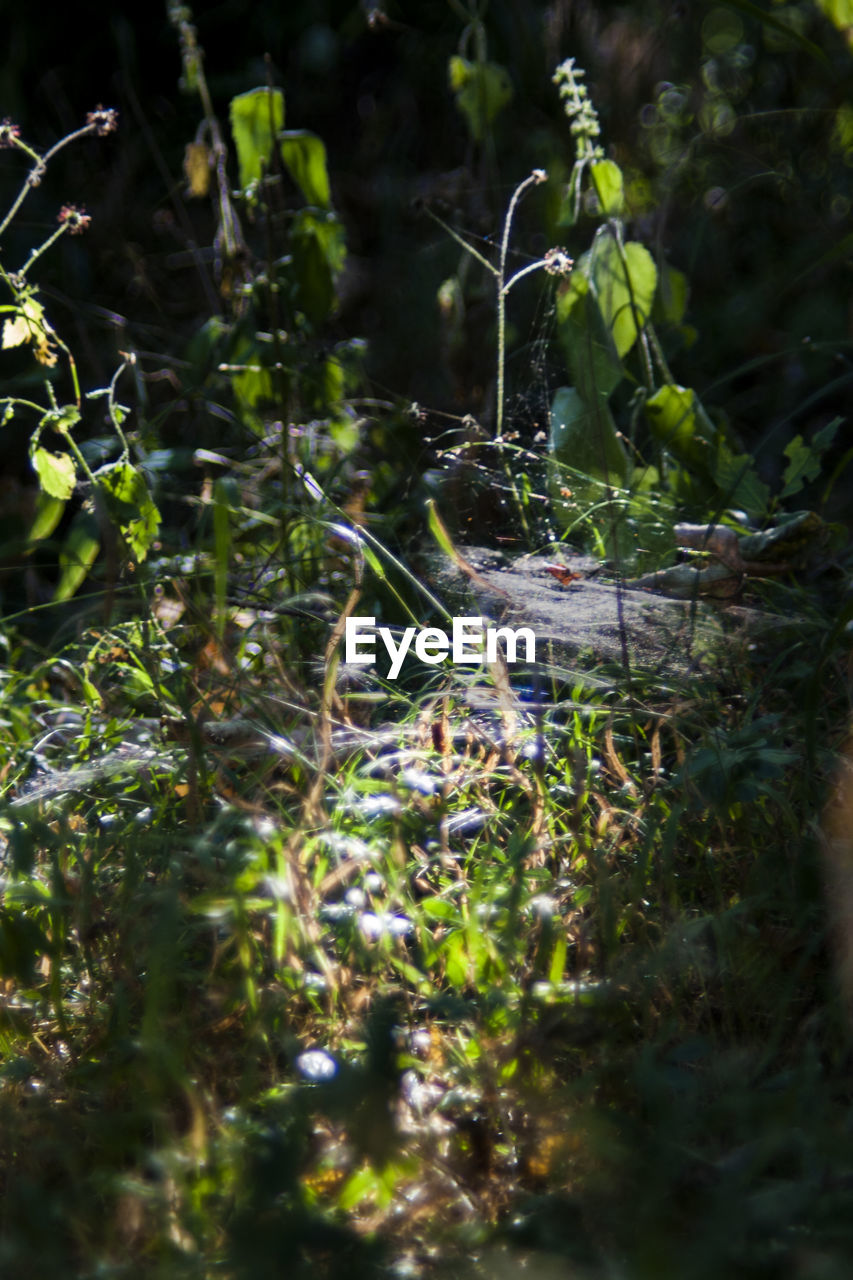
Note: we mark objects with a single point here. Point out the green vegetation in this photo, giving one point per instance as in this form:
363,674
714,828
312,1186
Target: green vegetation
306,972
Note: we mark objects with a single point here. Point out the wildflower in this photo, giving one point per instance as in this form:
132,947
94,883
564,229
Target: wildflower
76,220
9,133
585,126
104,120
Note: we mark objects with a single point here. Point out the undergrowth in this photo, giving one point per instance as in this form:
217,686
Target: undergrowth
310,972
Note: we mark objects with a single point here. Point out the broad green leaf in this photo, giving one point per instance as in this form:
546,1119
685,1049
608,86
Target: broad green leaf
319,252
47,516
584,438
609,187
624,283
481,90
56,472
679,422
304,155
78,554
591,358
257,117
587,464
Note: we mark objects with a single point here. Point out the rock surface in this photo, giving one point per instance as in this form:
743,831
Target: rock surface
588,621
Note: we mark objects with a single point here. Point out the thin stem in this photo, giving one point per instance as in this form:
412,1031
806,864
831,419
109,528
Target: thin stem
525,271
111,405
460,240
537,176
657,352
36,253
40,164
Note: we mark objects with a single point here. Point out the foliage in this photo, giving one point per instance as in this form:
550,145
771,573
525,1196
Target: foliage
119,487
307,971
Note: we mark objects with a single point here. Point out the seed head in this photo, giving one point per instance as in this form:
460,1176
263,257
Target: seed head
9,133
104,119
76,220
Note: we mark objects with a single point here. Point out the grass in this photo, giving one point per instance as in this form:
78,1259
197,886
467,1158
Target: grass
426,989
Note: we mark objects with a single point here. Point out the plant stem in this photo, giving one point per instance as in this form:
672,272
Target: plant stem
537,176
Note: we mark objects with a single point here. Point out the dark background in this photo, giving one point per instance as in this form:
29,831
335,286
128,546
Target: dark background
755,218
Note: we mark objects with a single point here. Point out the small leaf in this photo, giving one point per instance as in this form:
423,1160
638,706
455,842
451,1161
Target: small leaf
804,459
609,187
304,155
130,506
16,332
197,158
56,472
736,479
28,323
257,117
481,90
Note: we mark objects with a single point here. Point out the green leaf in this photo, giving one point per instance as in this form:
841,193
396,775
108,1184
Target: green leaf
584,438
56,472
304,155
22,942
257,117
591,357
671,300
804,459
438,531
624,283
586,464
609,187
319,253
679,422
47,516
839,12
78,554
226,496
481,90
62,420
130,506
737,481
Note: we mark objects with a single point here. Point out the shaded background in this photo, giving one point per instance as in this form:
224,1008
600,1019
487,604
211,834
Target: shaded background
754,210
